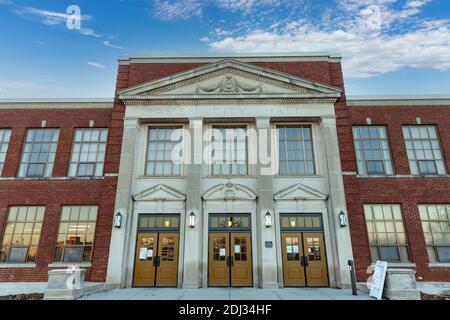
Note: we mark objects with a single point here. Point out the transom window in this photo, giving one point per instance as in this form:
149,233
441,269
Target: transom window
372,150
22,233
5,135
301,222
436,227
161,160
229,151
424,150
76,234
88,152
39,153
223,222
156,222
295,150
387,237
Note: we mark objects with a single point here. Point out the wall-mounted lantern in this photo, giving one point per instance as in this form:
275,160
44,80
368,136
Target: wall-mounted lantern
268,219
118,220
192,220
343,219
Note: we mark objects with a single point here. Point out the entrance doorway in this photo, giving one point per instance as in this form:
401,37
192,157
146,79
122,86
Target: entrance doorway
156,261
303,251
230,251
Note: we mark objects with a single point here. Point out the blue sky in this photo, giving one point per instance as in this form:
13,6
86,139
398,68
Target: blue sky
388,46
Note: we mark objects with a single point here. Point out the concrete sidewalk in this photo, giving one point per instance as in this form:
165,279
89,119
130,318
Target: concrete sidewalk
228,294
15,288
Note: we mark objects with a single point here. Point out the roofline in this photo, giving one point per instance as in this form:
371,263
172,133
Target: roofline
400,100
57,103
245,57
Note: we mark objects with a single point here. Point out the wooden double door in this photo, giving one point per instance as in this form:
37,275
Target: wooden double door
230,259
156,262
304,259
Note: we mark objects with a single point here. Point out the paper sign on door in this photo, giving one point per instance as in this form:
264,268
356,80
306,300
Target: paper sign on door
223,252
289,249
237,248
143,254
149,253
296,249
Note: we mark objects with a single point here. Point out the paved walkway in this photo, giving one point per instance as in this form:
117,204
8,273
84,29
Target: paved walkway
228,294
14,288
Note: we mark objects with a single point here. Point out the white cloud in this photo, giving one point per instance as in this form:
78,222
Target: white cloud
402,40
108,43
177,9
96,65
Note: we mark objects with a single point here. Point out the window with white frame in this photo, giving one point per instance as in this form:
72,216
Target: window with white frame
76,234
295,150
88,152
372,150
436,227
424,150
5,135
161,158
387,236
39,153
21,236
229,151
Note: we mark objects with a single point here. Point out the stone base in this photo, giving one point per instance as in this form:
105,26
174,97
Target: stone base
401,284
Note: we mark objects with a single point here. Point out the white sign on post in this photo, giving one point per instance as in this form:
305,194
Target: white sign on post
378,278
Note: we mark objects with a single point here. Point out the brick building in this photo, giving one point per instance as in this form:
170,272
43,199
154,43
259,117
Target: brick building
380,163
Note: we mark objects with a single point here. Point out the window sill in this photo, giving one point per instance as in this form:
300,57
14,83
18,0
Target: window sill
161,177
17,265
49,178
399,265
298,177
402,176
67,265
439,265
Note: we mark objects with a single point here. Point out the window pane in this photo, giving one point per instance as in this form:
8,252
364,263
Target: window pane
161,160
424,150
295,150
229,151
76,232
88,152
436,227
21,236
372,151
5,135
386,232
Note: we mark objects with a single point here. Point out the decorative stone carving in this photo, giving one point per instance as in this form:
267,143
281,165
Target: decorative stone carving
229,84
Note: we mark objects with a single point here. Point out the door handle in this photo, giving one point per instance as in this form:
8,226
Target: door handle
156,261
306,261
302,261
231,261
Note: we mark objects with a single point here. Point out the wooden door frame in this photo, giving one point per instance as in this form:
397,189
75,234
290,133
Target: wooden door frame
229,232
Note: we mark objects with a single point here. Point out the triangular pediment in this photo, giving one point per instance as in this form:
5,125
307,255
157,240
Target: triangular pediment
300,192
229,79
229,191
160,192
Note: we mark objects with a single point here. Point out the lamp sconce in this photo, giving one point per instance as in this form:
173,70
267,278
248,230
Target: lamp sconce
268,221
118,220
192,220
343,222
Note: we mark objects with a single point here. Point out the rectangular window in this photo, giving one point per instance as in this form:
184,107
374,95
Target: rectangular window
387,236
39,153
295,149
424,150
76,234
372,150
229,151
88,152
161,143
436,228
22,233
5,135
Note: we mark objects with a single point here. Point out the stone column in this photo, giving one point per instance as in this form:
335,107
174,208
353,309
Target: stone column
339,236
192,273
267,260
119,246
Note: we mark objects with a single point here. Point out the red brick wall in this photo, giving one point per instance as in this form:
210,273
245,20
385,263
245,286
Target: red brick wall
54,193
406,191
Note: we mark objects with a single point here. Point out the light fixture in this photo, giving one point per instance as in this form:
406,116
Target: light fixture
343,219
192,220
118,220
268,219
293,224
230,223
167,224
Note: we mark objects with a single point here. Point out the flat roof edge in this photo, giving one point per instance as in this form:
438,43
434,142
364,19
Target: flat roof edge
400,100
56,103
